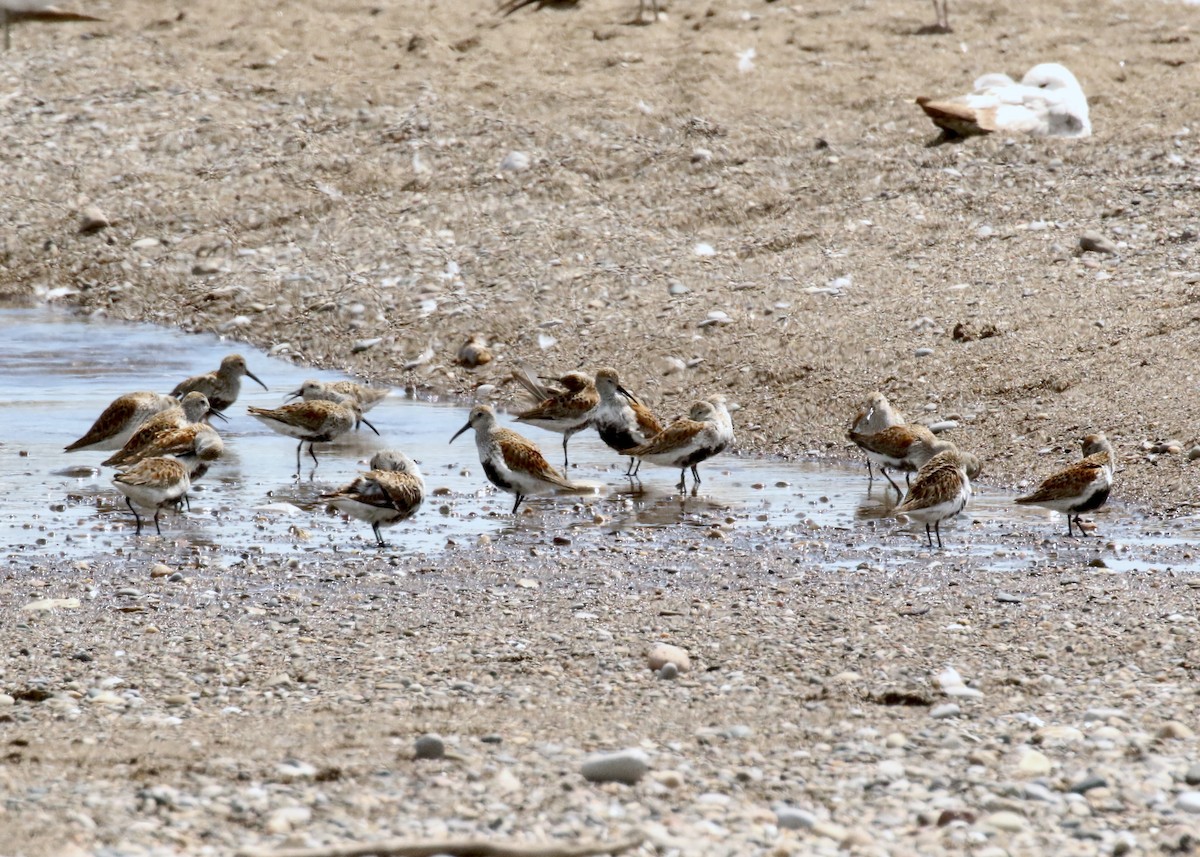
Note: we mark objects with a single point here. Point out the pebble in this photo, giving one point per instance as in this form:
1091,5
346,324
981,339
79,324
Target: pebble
160,569
923,352
1173,729
1096,243
288,818
92,219
1189,802
515,161
1192,777
46,604
6,700
1009,822
668,672
429,746
941,712
952,684
624,766
1087,784
1193,453
663,654
1034,764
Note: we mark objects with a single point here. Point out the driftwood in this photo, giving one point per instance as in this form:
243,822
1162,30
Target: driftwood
455,847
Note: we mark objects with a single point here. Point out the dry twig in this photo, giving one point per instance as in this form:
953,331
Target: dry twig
457,848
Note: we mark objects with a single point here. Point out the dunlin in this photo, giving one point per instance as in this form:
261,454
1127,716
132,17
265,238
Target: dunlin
193,408
563,410
722,418
391,492
512,463
1048,102
1080,487
311,422
876,414
940,491
685,443
621,420
153,484
196,444
903,447
35,10
221,387
120,420
334,391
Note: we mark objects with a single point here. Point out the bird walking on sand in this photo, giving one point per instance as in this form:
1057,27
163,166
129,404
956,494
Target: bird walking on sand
153,484
1080,487
563,410
620,419
941,490
876,415
1048,102
193,408
511,462
685,443
311,422
35,10
902,447
222,386
117,423
391,492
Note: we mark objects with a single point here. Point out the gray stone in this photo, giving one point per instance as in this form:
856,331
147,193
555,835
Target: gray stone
941,712
1096,243
1189,802
790,818
1088,783
1192,777
624,766
429,747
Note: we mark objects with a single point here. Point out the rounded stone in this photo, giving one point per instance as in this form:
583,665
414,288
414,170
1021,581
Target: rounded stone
429,747
664,653
624,766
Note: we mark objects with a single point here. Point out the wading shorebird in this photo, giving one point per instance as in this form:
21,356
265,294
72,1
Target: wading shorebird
35,10
565,410
1048,102
1080,487
117,423
941,490
511,462
903,447
685,443
222,386
620,419
193,408
391,492
876,415
312,422
334,391
153,484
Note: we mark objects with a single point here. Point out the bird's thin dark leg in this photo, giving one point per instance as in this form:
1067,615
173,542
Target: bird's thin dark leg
566,460
682,486
695,480
937,528
312,451
870,473
888,477
157,528
136,516
1070,532
299,447
520,497
378,537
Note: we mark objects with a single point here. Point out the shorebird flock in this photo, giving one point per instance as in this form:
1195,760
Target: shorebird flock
941,487
162,444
